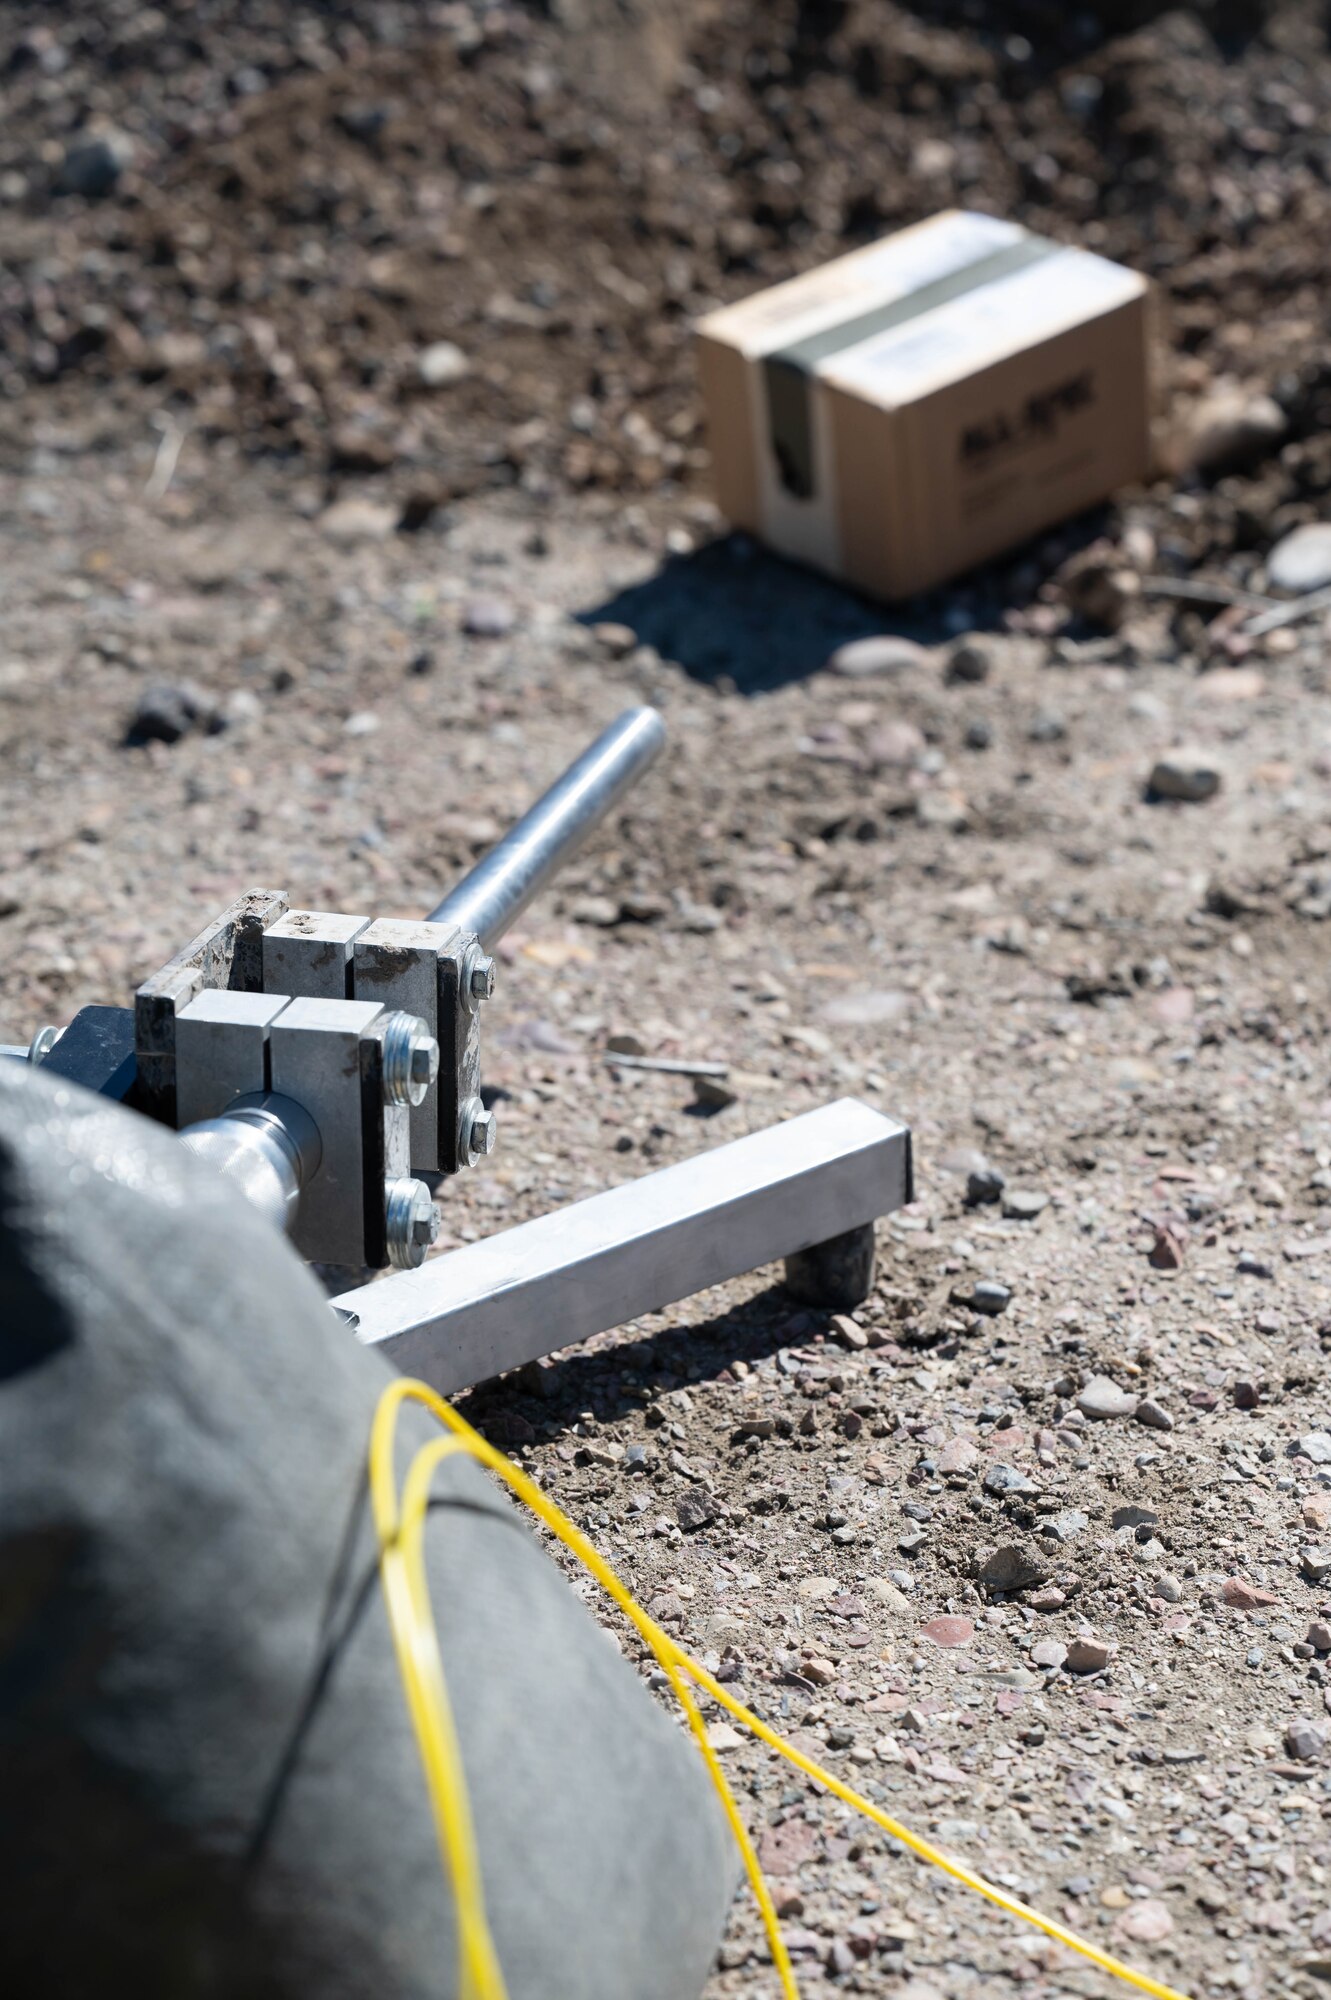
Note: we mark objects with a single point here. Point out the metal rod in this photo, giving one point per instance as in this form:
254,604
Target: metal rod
266,1146
636,1248
499,888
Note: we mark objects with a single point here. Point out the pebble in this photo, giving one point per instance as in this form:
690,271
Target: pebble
979,734
884,654
1102,1398
695,1508
1315,1564
1049,1653
910,1544
1304,1740
441,364
1316,1445
957,1455
1002,1479
983,1185
1050,1599
1064,1526
1188,775
949,1631
1240,1595
1012,1567
1024,1204
1133,1516
168,710
1046,726
356,519
1229,430
1168,1588
92,167
1153,1416
1088,1656
1319,1635
1301,561
970,661
488,618
990,1297
1147,1921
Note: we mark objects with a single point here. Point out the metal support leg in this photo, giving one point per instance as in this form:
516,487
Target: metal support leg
836,1275
634,1249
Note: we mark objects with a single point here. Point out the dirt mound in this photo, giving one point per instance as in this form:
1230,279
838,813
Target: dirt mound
264,221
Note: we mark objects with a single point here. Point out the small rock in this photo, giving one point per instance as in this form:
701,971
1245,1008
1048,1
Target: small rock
1301,561
1064,1526
849,1333
1153,1416
1315,1565
957,1455
1240,1595
488,618
92,167
1024,1204
722,1737
1102,1398
1316,1445
601,912
970,661
896,744
885,654
1168,1589
1229,430
910,1544
1046,726
1049,1653
1147,1921
1049,1599
1186,775
695,1508
168,710
1246,1394
867,1010
441,364
983,1184
356,519
1003,1479
949,1631
1133,1516
1304,1740
1319,1635
618,640
990,1297
1012,1567
979,734
1088,1656
821,1672
1166,1252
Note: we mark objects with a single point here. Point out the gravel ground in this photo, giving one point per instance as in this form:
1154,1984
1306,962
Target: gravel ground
1045,871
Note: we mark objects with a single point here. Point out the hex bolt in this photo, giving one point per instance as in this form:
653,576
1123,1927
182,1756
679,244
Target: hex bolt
480,1130
411,1059
411,1222
478,976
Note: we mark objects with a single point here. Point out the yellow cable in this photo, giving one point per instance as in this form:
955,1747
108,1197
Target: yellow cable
401,1539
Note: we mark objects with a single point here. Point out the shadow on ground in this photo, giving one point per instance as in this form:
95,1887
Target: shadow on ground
732,612
545,1399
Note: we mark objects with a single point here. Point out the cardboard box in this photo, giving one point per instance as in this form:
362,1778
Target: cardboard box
907,411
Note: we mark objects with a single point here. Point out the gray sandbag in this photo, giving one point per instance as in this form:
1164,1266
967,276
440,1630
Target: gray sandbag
208,1781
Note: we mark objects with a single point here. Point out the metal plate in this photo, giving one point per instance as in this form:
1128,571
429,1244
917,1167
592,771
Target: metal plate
530,1290
315,1056
307,953
222,1051
398,964
228,952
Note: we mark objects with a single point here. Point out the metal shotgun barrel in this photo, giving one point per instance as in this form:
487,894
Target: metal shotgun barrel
499,888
